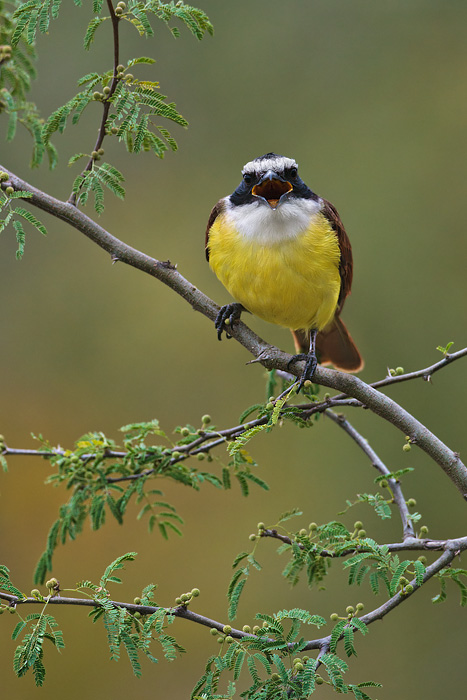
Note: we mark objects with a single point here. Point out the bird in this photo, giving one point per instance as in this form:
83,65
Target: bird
283,254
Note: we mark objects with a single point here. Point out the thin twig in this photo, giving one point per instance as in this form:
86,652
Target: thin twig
399,500
106,102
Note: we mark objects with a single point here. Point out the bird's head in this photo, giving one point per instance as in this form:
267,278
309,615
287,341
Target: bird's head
272,180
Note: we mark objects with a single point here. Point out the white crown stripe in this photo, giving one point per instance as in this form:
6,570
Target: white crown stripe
263,165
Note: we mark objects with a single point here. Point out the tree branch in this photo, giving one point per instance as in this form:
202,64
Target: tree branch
268,355
452,548
399,500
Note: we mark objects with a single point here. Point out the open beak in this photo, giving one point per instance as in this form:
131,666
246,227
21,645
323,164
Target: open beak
271,187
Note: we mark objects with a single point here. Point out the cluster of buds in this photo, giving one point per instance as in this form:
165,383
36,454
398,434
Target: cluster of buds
350,612
186,598
120,9
96,155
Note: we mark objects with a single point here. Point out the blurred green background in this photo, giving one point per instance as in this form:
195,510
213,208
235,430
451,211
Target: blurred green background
370,98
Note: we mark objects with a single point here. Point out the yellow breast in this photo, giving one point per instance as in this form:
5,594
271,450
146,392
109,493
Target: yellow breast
292,280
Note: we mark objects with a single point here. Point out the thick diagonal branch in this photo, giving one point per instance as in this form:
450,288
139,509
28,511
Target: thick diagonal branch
269,356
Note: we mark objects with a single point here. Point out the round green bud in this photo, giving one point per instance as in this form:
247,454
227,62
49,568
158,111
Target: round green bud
399,370
206,419
97,96
178,601
220,640
392,372
200,456
313,526
407,447
185,597
334,617
12,610
118,11
120,68
52,583
360,606
350,609
403,581
409,588
319,680
358,525
95,155
307,383
303,533
3,176
269,406
265,625
299,667
129,76
9,190
275,677
137,601
229,639
106,90
137,615
122,5
184,431
195,592
176,454
422,559
227,629
411,502
256,629
213,631
424,530
252,537
100,151
361,533
247,629
35,593
384,483
261,526
114,130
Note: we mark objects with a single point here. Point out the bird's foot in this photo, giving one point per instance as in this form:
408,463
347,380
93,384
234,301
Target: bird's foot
226,318
310,367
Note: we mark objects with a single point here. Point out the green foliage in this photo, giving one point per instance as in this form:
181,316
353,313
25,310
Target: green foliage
7,585
104,478
17,70
273,672
455,576
130,108
16,214
445,350
35,629
377,501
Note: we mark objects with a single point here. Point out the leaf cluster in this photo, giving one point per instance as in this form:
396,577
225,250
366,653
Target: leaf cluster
104,479
16,215
17,70
273,656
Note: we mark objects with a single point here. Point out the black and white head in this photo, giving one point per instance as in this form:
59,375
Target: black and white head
271,180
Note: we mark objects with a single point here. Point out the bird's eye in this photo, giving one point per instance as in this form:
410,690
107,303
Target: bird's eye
247,178
293,172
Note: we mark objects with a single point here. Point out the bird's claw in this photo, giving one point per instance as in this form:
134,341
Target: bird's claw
310,367
226,317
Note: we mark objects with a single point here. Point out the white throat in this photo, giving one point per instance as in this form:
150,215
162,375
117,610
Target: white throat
258,222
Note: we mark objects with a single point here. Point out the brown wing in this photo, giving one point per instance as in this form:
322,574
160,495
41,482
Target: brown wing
345,266
216,210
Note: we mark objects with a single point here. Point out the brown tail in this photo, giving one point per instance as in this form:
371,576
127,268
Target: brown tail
334,346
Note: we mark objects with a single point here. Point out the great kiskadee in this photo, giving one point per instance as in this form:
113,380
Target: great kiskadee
283,254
